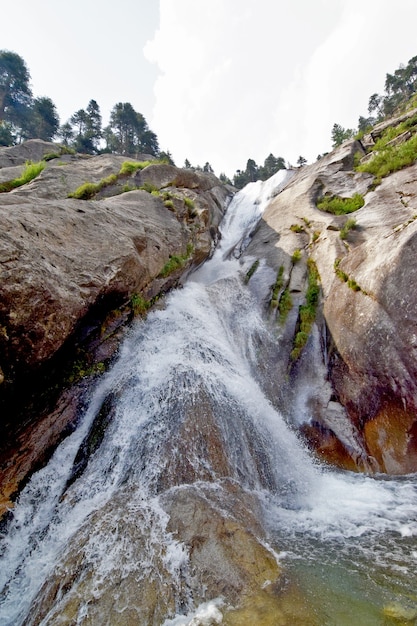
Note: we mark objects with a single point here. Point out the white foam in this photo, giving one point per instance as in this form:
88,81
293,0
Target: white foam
207,614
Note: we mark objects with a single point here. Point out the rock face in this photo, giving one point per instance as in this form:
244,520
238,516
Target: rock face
73,271
354,387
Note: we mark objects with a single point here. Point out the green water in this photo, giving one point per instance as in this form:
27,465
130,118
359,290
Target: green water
360,592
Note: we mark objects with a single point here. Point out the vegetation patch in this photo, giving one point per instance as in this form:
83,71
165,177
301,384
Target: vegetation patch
297,228
150,188
349,225
81,369
130,167
31,171
395,131
176,262
139,304
55,155
251,271
296,255
277,286
340,206
345,278
126,188
307,311
283,302
391,159
189,203
190,206
340,273
284,305
87,191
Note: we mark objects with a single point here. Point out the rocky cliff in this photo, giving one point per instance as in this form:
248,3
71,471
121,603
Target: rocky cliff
352,372
73,271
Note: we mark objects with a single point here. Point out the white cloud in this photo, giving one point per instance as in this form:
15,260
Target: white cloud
239,80
235,79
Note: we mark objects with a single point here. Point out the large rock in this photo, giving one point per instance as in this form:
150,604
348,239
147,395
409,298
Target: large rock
73,272
362,358
60,256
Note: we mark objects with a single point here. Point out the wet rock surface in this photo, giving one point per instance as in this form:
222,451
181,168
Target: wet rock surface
362,354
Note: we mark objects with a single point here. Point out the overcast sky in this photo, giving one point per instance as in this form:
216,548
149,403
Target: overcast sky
219,81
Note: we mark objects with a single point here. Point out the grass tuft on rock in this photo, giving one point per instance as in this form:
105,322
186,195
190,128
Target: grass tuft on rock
176,262
340,206
307,311
391,158
31,171
130,167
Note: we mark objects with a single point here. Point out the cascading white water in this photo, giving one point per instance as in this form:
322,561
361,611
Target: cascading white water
206,338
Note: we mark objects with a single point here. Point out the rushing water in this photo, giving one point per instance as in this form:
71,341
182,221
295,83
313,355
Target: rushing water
349,539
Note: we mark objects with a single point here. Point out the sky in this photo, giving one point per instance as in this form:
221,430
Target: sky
220,81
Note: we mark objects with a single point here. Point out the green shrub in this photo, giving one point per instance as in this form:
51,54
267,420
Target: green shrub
190,206
357,158
345,278
55,155
66,150
85,191
169,204
316,235
7,186
297,228
284,305
296,255
277,286
340,206
31,171
149,187
189,203
307,311
352,284
251,271
349,225
175,262
50,156
82,369
109,180
391,159
130,167
138,304
394,131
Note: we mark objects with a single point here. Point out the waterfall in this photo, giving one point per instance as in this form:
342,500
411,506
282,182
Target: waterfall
193,365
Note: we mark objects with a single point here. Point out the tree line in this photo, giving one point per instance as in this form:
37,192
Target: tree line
399,88
23,117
